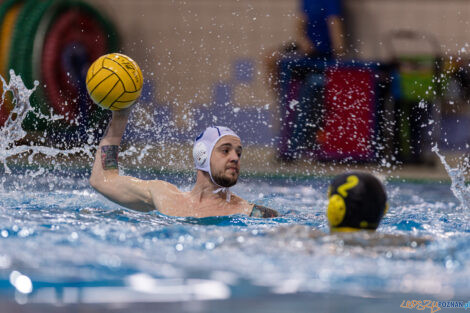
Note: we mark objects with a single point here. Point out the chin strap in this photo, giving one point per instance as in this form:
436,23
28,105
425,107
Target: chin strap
226,190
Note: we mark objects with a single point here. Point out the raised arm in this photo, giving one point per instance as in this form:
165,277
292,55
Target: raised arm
127,191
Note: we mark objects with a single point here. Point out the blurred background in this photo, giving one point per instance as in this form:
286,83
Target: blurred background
395,83
313,88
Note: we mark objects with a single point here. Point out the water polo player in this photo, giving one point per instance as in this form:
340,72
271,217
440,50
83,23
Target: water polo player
216,153
356,201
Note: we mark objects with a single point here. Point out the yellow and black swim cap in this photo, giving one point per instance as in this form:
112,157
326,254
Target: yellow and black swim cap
356,200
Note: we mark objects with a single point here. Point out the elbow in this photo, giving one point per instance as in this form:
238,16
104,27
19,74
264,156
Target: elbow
94,182
100,182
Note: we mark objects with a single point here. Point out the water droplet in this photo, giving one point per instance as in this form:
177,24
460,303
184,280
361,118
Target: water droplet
209,245
21,282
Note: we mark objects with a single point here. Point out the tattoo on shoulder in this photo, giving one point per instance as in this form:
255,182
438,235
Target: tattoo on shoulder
109,157
263,212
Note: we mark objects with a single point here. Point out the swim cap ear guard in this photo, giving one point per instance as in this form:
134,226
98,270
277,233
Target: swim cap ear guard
199,154
356,201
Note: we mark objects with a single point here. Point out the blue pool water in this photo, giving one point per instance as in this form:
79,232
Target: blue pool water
69,240
65,248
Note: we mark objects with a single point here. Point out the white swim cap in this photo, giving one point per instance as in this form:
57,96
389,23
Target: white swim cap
204,144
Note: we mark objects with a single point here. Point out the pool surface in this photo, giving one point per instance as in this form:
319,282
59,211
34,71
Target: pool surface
63,244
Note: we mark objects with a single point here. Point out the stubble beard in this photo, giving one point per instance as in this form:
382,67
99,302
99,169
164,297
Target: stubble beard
225,180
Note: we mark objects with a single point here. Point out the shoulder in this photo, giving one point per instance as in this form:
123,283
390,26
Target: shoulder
263,212
162,189
162,185
165,196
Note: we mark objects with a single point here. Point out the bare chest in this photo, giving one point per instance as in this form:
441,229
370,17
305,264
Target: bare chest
182,205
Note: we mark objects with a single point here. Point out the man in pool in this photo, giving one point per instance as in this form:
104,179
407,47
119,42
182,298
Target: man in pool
217,152
356,201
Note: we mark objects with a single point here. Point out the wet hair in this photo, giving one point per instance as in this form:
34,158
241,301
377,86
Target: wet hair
356,200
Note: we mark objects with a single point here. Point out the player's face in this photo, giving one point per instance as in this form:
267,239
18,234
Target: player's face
225,161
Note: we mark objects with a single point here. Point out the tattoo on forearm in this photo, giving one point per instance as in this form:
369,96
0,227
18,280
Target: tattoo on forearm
263,212
109,157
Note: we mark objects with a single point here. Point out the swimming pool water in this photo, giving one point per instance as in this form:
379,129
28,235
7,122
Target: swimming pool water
66,239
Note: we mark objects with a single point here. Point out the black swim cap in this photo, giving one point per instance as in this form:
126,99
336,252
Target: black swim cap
356,200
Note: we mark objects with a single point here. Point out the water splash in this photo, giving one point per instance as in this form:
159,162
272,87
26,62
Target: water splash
457,176
12,130
13,140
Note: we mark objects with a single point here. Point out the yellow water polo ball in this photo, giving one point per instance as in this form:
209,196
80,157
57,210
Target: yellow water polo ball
114,81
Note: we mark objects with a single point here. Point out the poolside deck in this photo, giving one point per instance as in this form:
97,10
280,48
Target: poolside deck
257,160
